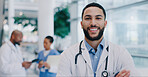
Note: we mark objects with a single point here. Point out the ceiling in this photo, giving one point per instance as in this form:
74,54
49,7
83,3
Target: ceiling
29,7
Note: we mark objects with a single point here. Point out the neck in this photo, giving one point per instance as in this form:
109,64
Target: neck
48,49
94,44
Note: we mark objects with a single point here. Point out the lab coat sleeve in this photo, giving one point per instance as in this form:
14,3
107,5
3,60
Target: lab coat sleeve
6,67
127,63
64,68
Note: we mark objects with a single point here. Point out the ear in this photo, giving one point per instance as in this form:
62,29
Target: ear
13,37
105,24
81,25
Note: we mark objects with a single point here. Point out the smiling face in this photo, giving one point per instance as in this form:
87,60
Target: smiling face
93,23
16,37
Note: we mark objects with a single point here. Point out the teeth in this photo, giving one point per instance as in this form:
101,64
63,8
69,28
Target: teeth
93,29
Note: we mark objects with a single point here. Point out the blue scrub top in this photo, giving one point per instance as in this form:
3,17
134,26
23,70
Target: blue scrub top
44,58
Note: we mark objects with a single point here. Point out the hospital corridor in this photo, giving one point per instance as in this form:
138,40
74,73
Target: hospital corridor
54,38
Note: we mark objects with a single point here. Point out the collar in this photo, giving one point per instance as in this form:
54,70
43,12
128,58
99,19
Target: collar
89,48
46,51
11,45
102,44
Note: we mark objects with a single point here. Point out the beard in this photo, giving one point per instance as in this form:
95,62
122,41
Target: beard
18,43
93,38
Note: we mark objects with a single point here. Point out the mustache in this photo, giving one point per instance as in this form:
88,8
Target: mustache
93,26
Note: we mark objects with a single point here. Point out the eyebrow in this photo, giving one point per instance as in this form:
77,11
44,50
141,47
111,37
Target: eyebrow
99,16
95,16
87,16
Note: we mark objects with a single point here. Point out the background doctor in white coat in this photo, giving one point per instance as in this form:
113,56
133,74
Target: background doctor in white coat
95,50
11,61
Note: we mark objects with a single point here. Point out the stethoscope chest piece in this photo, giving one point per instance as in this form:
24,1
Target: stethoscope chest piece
105,73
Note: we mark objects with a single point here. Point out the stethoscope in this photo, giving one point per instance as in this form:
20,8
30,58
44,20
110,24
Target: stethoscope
104,73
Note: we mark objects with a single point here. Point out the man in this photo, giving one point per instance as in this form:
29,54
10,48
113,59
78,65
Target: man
95,56
11,61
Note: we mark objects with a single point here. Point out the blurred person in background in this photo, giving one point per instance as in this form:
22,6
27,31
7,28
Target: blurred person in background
44,67
94,56
11,61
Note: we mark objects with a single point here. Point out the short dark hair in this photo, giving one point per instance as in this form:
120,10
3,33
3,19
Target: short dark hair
94,5
50,38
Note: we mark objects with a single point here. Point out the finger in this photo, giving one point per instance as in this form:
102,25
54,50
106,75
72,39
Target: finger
127,74
122,73
45,62
39,66
30,63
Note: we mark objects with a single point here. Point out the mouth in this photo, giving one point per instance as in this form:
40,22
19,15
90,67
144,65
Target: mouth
93,30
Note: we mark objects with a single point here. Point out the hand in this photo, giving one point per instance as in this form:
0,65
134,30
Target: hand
46,65
41,63
123,73
26,64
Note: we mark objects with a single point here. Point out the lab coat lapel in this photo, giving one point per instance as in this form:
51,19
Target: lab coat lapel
103,55
85,55
12,46
15,50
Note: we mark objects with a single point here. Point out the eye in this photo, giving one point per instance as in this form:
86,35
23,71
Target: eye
87,18
98,18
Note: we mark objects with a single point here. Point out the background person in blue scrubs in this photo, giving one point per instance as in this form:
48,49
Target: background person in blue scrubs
43,55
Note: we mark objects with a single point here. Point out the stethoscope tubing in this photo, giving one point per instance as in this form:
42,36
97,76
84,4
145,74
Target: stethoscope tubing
104,73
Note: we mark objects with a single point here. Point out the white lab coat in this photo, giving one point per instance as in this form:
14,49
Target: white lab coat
11,61
118,59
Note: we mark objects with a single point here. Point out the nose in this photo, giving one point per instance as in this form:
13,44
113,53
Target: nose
93,22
